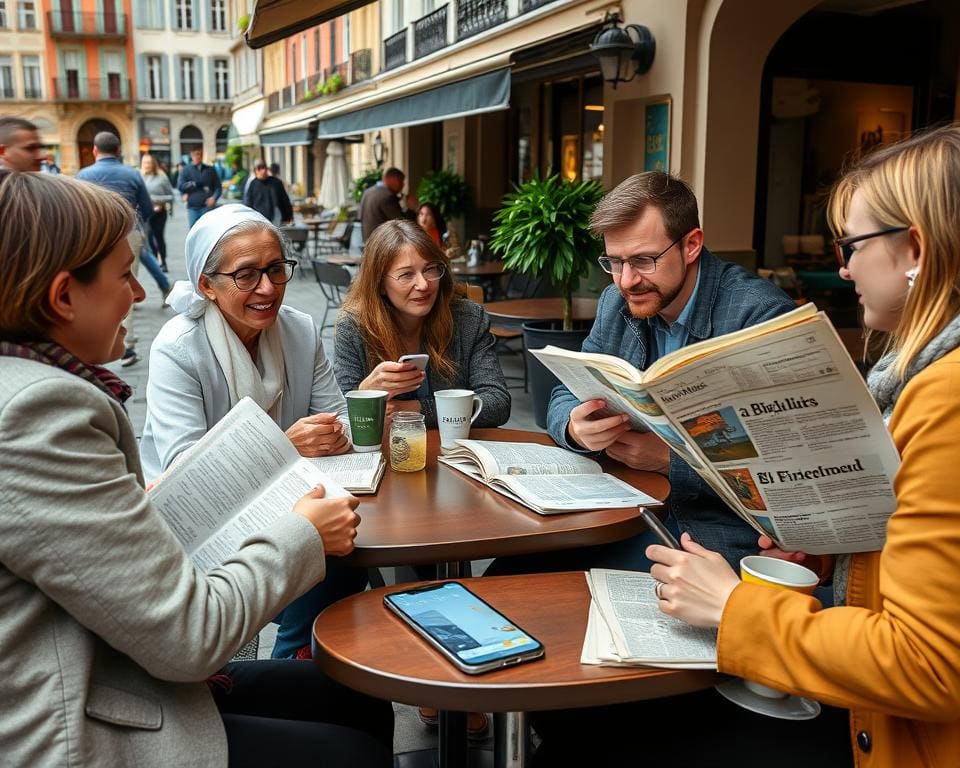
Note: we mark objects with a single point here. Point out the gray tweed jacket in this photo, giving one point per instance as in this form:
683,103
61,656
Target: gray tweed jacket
107,630
471,349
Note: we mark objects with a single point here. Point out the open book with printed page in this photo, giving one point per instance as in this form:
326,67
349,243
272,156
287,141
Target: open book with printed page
359,473
240,477
545,478
776,418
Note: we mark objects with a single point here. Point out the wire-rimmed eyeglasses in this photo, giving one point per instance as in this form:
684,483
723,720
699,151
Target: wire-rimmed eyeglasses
641,264
248,278
843,246
431,273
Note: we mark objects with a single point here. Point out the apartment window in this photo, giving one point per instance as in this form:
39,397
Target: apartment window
184,14
3,14
188,79
6,77
218,15
221,79
31,77
316,49
71,71
333,45
154,77
113,66
293,62
27,14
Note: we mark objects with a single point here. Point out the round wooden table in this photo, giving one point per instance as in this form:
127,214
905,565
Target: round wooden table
483,269
440,515
361,644
518,311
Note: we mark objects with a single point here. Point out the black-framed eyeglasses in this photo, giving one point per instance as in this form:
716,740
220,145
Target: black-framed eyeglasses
431,273
644,265
843,246
248,278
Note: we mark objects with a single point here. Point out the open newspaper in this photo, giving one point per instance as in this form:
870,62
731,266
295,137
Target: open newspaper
236,480
776,418
358,473
626,628
545,478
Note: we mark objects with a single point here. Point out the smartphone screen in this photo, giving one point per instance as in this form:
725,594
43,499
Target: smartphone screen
471,632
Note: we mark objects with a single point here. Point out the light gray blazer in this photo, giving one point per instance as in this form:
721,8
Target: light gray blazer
187,392
107,630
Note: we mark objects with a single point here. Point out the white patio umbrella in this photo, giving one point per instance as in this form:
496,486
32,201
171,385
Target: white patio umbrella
335,182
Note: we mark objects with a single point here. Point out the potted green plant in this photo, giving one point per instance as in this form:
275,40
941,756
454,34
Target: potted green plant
243,22
542,231
332,84
362,182
447,191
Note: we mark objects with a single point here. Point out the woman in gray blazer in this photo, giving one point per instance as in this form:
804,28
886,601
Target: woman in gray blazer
233,338
109,630
405,301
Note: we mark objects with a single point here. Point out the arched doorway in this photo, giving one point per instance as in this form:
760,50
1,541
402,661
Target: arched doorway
86,135
191,138
223,137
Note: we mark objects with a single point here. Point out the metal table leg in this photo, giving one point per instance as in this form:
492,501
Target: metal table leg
453,739
511,739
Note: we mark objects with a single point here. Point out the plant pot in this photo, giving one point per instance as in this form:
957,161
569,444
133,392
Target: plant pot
537,336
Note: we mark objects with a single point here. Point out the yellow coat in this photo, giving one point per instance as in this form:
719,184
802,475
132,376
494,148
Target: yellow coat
892,654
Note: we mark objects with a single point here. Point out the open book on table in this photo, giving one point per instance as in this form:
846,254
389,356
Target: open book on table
545,478
775,418
359,473
237,479
625,627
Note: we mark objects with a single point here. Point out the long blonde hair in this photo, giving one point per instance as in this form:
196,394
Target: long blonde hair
915,182
377,318
51,224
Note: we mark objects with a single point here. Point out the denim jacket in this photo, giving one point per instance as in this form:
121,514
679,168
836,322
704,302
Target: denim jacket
729,298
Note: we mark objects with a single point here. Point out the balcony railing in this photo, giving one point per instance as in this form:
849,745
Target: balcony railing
530,5
361,65
80,24
430,33
7,93
475,16
103,89
32,93
395,50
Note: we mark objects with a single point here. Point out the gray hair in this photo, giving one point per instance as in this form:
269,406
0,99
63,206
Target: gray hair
215,259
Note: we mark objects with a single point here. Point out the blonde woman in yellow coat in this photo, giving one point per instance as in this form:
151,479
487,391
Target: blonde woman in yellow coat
890,653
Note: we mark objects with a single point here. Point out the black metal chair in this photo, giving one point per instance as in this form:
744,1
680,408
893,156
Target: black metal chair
298,237
334,280
337,240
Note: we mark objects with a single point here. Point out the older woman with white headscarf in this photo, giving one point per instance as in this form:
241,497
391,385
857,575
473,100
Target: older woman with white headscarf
233,338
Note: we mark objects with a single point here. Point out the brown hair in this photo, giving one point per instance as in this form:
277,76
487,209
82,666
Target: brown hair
625,203
915,182
377,318
51,224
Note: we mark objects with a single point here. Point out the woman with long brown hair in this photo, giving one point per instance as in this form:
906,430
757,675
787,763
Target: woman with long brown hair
405,301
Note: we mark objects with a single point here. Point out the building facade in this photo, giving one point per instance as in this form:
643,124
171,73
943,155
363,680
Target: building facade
185,77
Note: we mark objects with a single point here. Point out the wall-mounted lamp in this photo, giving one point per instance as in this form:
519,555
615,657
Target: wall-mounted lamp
623,53
378,149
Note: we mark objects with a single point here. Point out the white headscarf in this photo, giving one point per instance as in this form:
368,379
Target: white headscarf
262,381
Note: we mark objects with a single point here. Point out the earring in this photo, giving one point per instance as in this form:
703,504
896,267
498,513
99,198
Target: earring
912,276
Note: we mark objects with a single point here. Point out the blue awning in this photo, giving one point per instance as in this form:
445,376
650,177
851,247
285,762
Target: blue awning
290,137
483,93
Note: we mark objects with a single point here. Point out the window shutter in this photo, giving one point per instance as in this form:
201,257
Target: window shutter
177,78
143,91
198,23
165,78
212,80
198,84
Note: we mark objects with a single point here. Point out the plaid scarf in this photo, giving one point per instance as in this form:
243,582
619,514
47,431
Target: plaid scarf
53,354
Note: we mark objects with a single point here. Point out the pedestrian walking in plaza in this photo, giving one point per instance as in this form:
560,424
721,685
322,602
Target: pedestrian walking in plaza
266,195
109,172
200,187
379,202
161,195
20,148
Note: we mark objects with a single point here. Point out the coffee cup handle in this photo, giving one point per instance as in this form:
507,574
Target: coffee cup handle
477,407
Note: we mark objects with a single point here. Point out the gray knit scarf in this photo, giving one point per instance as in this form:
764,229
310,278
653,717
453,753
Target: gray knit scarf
885,386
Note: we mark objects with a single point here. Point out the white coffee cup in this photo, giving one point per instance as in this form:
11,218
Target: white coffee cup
457,409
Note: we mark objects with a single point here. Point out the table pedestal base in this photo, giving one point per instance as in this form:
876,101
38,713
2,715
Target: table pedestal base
511,739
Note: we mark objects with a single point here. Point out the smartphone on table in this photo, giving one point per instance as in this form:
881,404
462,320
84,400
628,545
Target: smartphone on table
420,361
468,631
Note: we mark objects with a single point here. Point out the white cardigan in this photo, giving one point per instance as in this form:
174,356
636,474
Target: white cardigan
187,390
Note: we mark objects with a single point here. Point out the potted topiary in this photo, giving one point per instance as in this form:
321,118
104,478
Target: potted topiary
542,231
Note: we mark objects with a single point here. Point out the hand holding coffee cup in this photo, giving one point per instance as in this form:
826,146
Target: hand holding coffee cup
457,409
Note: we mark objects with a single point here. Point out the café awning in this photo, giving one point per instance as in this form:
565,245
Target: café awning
483,93
274,20
291,137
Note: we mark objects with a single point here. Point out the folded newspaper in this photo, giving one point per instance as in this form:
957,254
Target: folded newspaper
775,418
236,480
359,473
545,478
626,628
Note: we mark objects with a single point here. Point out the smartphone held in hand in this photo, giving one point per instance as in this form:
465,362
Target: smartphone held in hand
663,533
464,628
420,361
